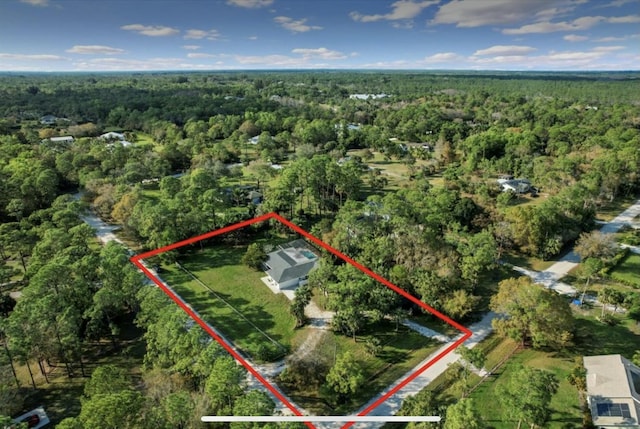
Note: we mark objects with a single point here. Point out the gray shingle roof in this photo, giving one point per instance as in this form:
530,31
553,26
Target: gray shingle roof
289,262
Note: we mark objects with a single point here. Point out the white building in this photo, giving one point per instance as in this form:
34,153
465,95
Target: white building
112,136
64,139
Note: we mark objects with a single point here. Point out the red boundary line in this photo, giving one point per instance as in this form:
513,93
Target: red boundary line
137,260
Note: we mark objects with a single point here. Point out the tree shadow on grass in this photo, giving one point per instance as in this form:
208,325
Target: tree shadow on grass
596,338
213,257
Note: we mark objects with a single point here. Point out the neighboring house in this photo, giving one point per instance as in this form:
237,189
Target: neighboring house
519,186
367,96
253,140
48,120
65,139
112,136
289,266
613,386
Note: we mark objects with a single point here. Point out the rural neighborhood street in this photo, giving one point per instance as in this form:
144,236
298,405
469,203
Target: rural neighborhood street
549,278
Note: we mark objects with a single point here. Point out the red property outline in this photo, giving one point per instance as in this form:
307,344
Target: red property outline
137,260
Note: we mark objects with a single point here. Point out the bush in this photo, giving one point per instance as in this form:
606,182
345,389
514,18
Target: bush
609,319
267,352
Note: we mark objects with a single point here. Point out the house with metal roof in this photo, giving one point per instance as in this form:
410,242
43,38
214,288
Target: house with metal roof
63,139
613,391
289,265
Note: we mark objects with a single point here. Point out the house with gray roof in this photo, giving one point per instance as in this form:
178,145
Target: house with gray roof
613,391
289,265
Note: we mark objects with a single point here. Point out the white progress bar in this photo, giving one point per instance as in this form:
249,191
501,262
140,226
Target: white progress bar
312,419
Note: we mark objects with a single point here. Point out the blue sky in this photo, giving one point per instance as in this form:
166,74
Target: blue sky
112,35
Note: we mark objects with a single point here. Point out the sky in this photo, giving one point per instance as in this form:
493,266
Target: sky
138,35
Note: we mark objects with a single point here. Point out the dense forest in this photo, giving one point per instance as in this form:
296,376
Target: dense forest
437,229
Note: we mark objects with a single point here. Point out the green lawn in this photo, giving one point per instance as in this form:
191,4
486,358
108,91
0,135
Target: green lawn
525,261
402,350
565,404
143,139
628,270
591,338
219,268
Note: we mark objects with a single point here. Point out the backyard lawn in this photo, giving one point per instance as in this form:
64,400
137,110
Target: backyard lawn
231,286
628,270
565,404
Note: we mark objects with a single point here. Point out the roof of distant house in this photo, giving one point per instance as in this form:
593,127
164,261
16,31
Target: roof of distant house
291,261
61,139
112,136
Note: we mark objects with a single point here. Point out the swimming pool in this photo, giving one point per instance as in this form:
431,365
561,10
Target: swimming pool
308,253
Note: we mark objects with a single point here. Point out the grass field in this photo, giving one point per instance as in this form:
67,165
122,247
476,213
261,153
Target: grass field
591,338
565,404
628,270
624,277
220,269
396,171
401,351
525,261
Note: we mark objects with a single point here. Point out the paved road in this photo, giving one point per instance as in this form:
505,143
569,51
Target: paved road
549,277
388,408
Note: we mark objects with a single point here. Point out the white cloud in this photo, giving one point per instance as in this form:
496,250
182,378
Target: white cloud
271,60
399,64
629,19
609,48
95,50
575,38
41,3
551,13
615,3
554,60
610,39
32,57
323,53
301,58
506,50
442,57
250,4
191,47
119,64
151,30
200,55
475,13
252,37
202,34
295,25
400,10
582,23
